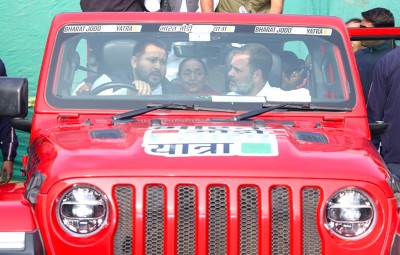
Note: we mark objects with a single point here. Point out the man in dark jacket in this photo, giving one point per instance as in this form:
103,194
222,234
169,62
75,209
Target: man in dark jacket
366,58
384,104
8,142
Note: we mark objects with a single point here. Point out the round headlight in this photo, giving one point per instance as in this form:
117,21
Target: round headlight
350,213
82,210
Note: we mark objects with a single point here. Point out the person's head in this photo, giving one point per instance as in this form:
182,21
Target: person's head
250,66
292,70
192,73
376,17
354,22
149,61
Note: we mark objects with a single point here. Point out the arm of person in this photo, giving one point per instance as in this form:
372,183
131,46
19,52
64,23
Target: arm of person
377,96
7,170
276,7
9,144
207,5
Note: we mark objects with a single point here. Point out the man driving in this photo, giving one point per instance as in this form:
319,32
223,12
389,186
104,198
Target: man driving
147,74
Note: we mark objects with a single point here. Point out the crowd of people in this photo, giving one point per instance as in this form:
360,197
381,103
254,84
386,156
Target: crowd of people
378,64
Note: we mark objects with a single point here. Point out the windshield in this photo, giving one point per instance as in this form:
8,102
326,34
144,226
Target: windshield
127,66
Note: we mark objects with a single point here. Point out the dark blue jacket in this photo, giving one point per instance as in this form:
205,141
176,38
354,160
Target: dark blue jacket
3,71
384,103
8,138
366,59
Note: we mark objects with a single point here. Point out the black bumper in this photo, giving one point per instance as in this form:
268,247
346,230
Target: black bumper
395,250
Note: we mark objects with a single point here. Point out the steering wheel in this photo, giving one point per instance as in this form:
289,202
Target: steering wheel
113,85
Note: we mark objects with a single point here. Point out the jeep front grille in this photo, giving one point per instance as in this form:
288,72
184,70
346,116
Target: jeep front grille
186,204
154,220
217,219
280,221
123,240
249,220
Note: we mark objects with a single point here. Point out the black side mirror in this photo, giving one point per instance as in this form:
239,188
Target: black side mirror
13,97
22,124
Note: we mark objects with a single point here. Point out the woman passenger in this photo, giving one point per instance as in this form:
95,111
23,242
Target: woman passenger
192,77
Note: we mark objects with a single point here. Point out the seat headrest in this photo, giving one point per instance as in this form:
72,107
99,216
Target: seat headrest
275,75
117,53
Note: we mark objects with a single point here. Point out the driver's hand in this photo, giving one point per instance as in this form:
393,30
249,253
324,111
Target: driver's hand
85,88
142,87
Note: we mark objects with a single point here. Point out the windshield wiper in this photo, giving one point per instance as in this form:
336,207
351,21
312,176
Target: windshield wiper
256,112
153,107
294,106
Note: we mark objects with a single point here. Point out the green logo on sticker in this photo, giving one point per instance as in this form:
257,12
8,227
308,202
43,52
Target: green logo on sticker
256,148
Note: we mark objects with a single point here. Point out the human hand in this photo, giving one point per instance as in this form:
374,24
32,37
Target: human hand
6,171
85,88
142,87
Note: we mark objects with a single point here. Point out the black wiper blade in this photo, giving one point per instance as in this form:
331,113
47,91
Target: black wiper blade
294,106
153,107
192,107
254,113
134,113
312,107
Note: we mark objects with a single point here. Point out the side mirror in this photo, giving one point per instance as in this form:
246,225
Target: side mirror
377,128
22,124
13,97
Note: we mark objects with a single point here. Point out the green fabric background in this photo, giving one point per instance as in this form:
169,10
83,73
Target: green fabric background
25,23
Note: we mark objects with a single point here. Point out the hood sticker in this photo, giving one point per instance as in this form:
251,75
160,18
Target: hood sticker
210,141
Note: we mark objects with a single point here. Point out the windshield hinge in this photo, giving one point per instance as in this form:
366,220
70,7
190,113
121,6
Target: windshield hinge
334,119
68,120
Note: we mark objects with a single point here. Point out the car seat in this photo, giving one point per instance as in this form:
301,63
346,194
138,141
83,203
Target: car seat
275,75
117,55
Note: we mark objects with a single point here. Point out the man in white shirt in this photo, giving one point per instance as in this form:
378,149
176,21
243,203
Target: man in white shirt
149,67
248,75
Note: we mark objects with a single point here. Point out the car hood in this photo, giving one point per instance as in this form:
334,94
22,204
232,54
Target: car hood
208,149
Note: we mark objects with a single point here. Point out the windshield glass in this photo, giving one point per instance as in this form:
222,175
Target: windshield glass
127,66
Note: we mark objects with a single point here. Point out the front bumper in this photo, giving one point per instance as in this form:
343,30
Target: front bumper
22,244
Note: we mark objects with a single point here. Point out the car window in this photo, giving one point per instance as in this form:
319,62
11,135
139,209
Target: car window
94,66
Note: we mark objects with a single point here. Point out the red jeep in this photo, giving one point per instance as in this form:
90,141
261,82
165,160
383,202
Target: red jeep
223,170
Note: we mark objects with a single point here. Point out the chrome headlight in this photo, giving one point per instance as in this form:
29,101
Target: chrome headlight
82,210
350,213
